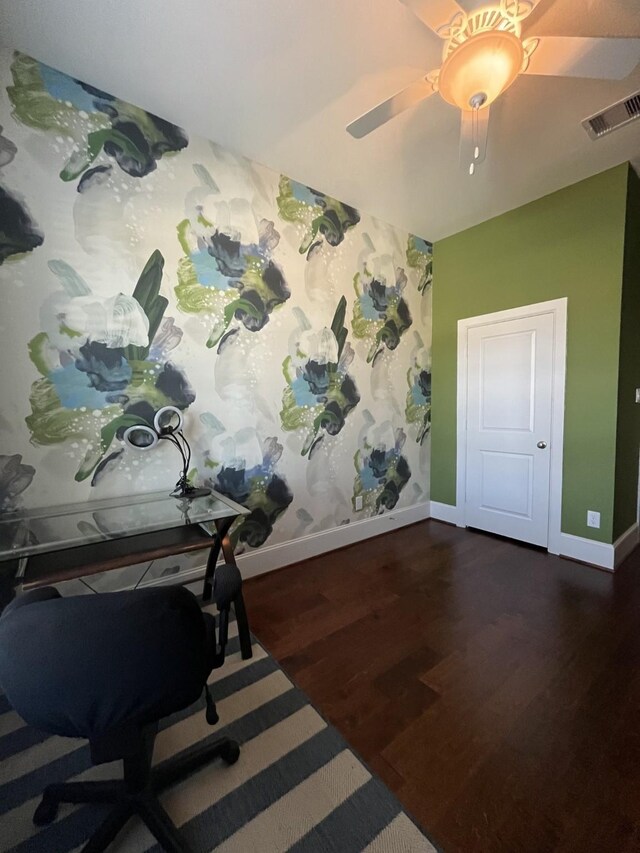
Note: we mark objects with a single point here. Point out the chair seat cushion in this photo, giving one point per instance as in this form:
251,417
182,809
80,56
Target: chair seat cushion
86,665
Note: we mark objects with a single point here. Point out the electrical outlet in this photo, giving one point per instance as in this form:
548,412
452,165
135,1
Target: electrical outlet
358,503
637,395
593,518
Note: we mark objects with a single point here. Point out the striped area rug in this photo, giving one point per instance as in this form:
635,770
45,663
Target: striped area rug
296,786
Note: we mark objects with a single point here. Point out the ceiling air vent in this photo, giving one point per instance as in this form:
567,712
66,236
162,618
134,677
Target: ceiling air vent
615,116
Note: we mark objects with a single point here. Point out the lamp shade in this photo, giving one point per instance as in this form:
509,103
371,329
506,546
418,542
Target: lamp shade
487,63
141,437
167,420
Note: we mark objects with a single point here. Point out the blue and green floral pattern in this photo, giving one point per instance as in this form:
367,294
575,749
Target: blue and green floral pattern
380,313
103,129
326,219
418,403
229,280
381,474
135,257
104,365
420,258
320,393
261,489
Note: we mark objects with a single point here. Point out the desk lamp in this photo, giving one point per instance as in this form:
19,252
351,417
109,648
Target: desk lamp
167,426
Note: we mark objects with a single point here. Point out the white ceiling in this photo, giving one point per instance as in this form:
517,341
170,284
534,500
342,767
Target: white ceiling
278,81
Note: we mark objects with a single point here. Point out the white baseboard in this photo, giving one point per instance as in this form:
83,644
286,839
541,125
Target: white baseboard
598,554
272,557
445,512
625,544
283,554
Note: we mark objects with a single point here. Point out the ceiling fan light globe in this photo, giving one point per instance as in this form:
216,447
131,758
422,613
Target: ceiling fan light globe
488,62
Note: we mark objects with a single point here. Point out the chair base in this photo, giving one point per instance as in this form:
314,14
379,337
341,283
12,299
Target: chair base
136,794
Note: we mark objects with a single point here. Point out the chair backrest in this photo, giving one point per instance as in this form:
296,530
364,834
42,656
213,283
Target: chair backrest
84,666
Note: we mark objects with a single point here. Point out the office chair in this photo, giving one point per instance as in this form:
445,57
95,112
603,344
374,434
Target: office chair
108,668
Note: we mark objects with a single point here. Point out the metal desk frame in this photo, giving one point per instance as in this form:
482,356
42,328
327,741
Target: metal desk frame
40,566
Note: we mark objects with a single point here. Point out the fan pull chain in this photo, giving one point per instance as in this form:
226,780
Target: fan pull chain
476,102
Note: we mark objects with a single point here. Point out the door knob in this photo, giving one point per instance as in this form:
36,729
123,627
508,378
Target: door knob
542,445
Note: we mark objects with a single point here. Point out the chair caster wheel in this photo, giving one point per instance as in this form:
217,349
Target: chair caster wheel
230,752
46,812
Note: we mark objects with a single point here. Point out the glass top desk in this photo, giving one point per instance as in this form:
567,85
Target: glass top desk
53,544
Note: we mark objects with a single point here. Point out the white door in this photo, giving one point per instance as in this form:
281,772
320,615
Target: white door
509,400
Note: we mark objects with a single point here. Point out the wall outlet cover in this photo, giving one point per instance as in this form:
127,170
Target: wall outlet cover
593,518
637,395
358,503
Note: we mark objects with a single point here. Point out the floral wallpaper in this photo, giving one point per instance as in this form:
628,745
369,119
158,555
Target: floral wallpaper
141,267
104,365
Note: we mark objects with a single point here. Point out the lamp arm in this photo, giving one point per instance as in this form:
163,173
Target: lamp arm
182,489
175,442
188,448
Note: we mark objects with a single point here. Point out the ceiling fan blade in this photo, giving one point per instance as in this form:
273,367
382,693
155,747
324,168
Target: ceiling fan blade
393,106
441,16
601,58
474,126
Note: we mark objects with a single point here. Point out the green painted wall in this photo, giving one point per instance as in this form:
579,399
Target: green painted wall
628,431
570,243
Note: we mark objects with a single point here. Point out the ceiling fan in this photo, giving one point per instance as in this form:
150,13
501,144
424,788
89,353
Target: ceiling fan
483,55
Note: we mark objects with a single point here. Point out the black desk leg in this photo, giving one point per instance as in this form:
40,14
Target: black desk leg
212,559
222,527
243,627
222,530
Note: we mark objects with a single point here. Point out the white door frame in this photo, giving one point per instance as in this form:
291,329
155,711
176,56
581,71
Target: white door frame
557,307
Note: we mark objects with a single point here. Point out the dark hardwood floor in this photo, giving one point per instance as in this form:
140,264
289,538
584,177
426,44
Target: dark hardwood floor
493,687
